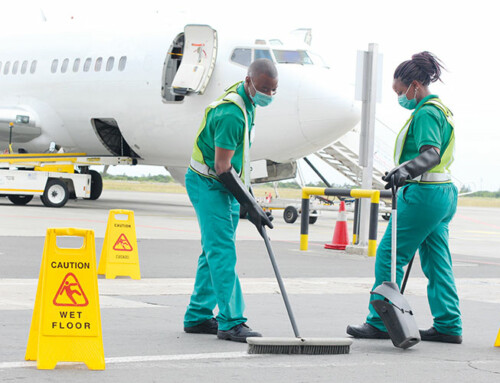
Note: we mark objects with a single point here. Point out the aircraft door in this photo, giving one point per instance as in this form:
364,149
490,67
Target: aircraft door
198,60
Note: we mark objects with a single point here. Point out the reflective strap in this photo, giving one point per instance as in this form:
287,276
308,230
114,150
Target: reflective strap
400,140
245,169
202,168
433,177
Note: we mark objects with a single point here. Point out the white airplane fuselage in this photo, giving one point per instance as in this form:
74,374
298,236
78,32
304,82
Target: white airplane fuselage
307,114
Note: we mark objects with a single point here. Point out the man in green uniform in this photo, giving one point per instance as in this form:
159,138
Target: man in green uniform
217,182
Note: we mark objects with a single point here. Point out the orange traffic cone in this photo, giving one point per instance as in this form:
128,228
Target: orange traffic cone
340,235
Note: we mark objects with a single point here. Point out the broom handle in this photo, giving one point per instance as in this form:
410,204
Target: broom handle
280,282
394,234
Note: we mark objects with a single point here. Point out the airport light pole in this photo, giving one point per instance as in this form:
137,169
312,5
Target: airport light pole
371,68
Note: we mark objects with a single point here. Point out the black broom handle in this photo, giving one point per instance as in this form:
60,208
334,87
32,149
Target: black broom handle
407,274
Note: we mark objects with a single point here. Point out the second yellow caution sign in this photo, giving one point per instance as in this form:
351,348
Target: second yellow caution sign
66,323
119,255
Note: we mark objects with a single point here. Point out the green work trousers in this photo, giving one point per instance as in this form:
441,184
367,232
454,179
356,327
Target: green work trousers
216,280
424,212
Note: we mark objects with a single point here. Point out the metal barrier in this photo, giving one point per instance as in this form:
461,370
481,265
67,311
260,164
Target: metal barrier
374,196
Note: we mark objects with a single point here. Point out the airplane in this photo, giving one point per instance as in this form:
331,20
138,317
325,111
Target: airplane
142,91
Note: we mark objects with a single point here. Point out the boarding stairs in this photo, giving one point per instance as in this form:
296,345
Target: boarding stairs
345,161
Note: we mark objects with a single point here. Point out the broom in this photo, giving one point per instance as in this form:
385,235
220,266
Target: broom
297,345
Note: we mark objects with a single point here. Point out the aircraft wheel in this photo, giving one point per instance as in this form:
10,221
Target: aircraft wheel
290,214
56,193
386,216
20,199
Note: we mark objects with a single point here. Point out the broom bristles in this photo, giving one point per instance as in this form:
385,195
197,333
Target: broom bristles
299,346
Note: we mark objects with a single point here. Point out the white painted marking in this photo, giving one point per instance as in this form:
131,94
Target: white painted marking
19,294
145,359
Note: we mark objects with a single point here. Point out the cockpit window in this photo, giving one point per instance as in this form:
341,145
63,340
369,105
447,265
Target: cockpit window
291,57
242,56
263,54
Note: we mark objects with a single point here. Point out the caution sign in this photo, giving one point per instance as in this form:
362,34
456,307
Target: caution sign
66,322
119,255
497,342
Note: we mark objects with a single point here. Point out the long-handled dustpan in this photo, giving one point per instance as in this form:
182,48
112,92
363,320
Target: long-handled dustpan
394,310
297,345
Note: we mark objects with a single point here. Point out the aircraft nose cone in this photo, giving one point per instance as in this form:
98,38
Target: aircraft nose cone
326,109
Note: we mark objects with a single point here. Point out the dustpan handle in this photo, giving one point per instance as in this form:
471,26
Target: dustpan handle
394,241
263,233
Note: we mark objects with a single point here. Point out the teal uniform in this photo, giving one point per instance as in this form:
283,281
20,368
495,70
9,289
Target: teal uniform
218,212
425,210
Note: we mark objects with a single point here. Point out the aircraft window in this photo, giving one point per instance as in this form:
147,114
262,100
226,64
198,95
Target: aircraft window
122,63
275,42
15,67
64,66
6,67
33,66
86,66
263,54
242,56
291,57
98,64
55,64
24,67
76,65
110,64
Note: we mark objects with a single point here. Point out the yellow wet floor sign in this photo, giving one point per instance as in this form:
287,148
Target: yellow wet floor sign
497,342
66,322
119,255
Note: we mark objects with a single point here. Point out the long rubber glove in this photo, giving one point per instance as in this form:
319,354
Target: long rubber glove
256,215
413,168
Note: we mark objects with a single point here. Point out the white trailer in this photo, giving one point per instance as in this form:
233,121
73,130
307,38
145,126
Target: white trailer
55,177
54,188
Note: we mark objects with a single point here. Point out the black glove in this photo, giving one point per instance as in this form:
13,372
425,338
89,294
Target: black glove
256,215
413,168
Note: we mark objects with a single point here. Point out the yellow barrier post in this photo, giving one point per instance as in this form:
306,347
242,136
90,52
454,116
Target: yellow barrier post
119,255
66,322
374,195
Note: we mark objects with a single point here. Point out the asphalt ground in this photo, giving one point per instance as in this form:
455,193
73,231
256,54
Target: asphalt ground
142,320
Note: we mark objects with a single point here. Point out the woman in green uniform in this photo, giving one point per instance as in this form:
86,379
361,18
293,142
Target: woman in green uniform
427,201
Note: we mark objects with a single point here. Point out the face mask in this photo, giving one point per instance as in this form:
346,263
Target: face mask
408,104
260,98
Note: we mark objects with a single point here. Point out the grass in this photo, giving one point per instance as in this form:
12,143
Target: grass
261,191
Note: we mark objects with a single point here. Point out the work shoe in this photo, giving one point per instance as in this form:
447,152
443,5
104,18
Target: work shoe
433,335
238,333
367,331
208,327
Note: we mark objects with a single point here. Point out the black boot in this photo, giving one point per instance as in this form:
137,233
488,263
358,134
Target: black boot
433,335
208,327
238,333
366,331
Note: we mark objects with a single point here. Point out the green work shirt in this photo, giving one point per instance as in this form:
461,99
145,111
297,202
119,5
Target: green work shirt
428,127
225,128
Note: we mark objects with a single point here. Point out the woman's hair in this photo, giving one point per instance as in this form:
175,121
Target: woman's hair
423,67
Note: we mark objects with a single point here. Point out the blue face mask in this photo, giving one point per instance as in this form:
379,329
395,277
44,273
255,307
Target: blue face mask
408,104
260,98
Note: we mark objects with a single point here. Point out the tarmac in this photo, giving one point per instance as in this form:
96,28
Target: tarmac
142,319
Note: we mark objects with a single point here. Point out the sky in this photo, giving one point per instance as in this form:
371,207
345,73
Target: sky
463,34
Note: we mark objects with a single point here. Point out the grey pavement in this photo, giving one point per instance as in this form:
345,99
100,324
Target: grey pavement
142,320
